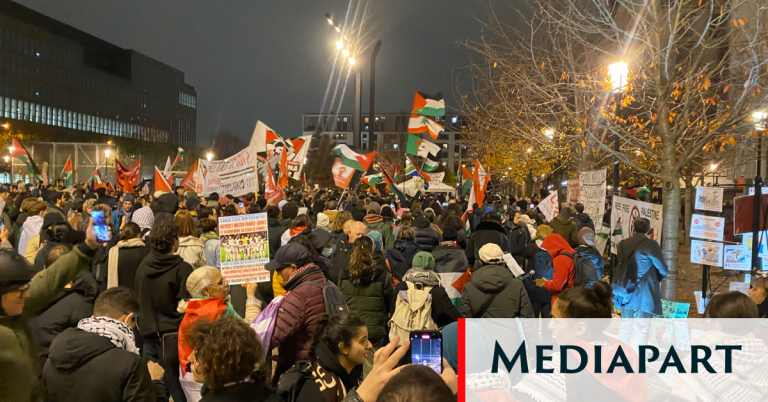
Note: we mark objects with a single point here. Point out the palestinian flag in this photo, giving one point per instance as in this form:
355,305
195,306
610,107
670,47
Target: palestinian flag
397,175
110,187
20,152
638,192
453,283
96,181
373,177
422,124
419,147
466,181
303,181
430,165
67,172
179,157
160,183
352,159
392,186
189,182
429,105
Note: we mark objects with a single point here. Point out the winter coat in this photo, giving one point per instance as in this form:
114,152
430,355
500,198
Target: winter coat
594,256
357,214
583,221
128,261
274,231
443,311
30,229
449,258
167,205
563,274
332,214
518,237
42,254
84,366
64,311
161,282
376,222
242,392
511,300
297,319
370,300
426,237
408,249
486,232
18,359
192,250
212,251
651,269
567,228
332,381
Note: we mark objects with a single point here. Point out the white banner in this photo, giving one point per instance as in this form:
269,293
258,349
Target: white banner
709,199
625,211
592,194
435,178
244,248
550,207
707,253
296,159
707,227
234,175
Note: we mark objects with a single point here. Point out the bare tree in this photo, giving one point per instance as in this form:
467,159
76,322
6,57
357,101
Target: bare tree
694,76
225,144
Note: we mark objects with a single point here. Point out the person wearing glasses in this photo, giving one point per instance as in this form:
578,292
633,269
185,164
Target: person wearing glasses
23,295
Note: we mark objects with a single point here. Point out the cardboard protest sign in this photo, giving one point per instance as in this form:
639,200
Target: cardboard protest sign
625,211
244,248
235,175
709,199
707,253
707,227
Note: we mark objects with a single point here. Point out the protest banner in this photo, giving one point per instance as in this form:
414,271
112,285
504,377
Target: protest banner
342,174
550,207
625,211
735,259
234,175
436,178
707,227
573,191
244,248
709,199
707,253
298,156
592,194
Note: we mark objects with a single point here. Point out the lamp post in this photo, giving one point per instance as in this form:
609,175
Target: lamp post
619,75
106,163
759,118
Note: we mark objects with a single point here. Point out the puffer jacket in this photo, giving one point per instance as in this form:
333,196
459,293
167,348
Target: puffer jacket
511,300
449,258
370,300
567,228
486,232
296,321
192,251
408,249
426,237
30,229
563,274
518,237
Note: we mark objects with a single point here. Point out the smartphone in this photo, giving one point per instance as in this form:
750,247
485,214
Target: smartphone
392,205
100,226
427,349
445,204
241,205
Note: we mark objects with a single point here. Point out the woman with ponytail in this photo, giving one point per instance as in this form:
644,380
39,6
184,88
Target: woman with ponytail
339,349
369,292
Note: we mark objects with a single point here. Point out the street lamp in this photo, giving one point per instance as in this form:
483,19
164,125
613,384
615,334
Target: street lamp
6,126
106,163
209,156
619,75
550,133
759,117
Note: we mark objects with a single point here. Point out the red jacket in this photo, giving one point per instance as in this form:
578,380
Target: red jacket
563,265
296,321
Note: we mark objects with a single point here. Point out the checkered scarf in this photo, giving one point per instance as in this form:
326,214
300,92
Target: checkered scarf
120,334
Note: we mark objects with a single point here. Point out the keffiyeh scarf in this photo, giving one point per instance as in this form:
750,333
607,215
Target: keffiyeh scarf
117,332
144,218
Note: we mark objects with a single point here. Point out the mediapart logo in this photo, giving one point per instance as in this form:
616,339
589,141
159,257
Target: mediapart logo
699,356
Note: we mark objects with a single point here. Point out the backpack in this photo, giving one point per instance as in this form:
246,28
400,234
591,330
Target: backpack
292,381
542,268
413,312
335,301
584,272
400,266
375,227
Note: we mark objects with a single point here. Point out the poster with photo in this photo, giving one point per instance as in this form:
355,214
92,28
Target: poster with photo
709,199
707,227
707,253
735,259
244,248
625,211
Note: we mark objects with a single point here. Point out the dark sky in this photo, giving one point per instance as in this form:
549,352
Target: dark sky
270,60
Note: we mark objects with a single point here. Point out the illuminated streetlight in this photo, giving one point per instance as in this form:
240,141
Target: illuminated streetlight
345,52
6,126
759,118
338,29
339,44
107,152
6,158
209,156
619,73
329,18
352,61
549,133
529,150
509,168
11,149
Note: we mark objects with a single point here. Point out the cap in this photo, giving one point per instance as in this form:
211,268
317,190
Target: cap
417,213
290,254
191,194
212,204
491,252
374,207
230,196
423,260
223,201
192,203
52,217
53,196
586,237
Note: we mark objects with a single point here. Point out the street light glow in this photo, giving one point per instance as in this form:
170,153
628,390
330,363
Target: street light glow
529,150
759,117
338,29
339,44
6,158
619,73
209,156
6,125
713,166
352,61
345,52
11,148
329,18
549,133
107,152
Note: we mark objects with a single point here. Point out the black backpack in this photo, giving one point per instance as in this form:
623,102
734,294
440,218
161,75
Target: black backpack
289,385
584,272
400,266
335,301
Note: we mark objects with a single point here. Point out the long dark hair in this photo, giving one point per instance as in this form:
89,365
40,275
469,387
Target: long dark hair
361,261
341,328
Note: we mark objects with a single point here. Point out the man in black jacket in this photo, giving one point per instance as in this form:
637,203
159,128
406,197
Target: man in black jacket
582,220
274,229
98,360
518,236
489,231
161,282
426,237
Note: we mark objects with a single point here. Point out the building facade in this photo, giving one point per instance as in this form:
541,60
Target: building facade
62,84
389,132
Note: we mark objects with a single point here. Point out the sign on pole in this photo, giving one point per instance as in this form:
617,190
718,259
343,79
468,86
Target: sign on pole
707,253
573,191
550,207
709,199
235,175
735,258
625,211
707,227
592,194
244,248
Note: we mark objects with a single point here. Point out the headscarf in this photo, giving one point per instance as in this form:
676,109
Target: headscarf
144,218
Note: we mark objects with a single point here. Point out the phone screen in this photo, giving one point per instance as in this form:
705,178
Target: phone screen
427,349
392,205
445,204
100,226
241,205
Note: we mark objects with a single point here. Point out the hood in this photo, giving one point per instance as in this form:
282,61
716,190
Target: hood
420,222
33,224
331,363
272,222
373,218
554,243
563,220
168,203
512,225
158,264
85,284
582,217
491,278
406,245
489,226
74,347
191,241
21,218
331,213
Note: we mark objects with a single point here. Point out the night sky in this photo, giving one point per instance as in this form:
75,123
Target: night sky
271,60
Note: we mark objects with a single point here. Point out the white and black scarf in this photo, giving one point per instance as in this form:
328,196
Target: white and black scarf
118,333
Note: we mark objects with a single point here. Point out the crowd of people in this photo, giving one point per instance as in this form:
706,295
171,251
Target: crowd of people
148,315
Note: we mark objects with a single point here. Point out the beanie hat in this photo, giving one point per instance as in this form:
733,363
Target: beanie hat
192,203
322,220
544,231
14,271
586,237
128,198
377,242
423,260
50,218
450,234
191,194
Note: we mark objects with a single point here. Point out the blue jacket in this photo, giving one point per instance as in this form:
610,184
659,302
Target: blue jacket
213,253
640,291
